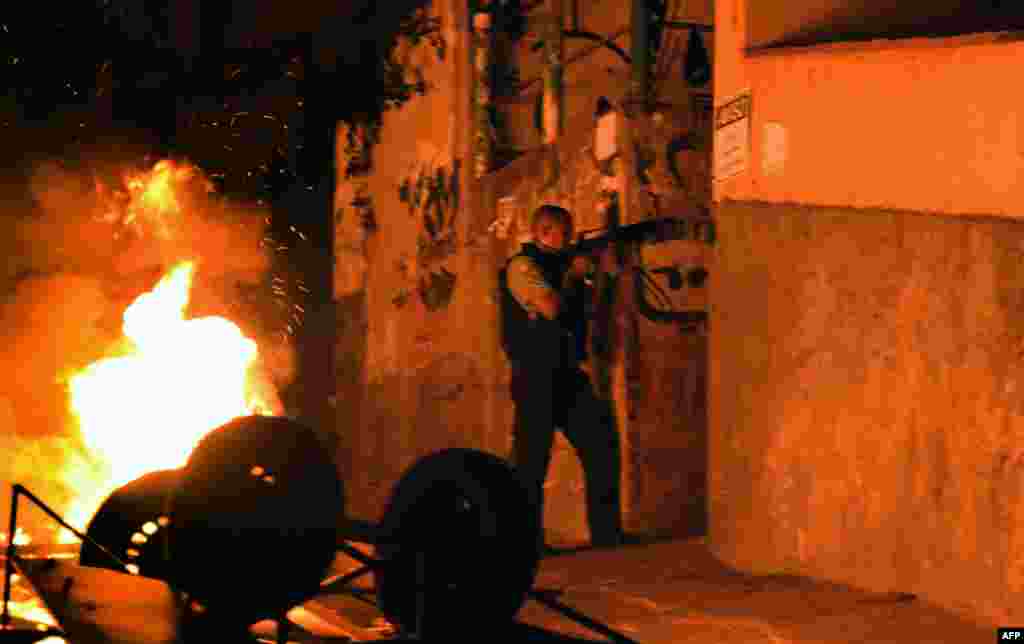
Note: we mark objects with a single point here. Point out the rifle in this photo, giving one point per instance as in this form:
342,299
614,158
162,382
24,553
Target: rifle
696,227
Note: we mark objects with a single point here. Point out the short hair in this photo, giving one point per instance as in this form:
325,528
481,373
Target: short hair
549,212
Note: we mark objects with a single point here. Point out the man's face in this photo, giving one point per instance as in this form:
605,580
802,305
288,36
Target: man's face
552,233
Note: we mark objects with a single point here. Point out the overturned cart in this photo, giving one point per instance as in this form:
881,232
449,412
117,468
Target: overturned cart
248,530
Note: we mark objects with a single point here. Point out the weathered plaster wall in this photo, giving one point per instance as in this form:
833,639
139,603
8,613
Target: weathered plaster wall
405,372
865,398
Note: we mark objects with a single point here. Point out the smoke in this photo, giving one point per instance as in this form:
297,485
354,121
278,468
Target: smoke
81,244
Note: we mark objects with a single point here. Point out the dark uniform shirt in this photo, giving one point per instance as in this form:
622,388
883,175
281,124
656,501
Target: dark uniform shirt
528,336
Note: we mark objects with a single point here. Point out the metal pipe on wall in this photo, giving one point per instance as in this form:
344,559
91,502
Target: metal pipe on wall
640,82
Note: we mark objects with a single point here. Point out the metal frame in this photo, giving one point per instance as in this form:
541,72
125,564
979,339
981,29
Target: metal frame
17,491
368,534
361,532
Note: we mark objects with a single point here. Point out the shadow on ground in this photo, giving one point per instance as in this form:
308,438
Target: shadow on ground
629,541
525,633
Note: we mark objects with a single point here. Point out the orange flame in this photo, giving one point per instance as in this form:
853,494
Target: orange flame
145,411
21,538
150,199
26,605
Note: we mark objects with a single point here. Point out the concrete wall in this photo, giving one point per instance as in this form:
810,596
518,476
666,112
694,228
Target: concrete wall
863,398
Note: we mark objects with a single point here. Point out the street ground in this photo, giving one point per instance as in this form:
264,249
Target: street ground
671,592
676,592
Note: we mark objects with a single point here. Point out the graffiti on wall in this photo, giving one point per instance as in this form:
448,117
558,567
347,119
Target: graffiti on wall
431,194
354,221
672,161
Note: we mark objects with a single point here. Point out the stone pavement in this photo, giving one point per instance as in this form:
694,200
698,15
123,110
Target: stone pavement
675,592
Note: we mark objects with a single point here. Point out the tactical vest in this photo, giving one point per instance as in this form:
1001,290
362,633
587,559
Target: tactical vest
556,343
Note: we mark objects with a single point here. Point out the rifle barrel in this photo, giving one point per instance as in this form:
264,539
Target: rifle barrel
651,230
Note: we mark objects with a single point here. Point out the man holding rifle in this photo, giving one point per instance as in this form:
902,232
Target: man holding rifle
543,308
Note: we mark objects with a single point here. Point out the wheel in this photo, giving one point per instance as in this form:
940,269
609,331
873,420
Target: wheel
461,521
132,524
254,520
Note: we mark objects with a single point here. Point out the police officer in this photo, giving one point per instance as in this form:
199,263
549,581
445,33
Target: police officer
544,335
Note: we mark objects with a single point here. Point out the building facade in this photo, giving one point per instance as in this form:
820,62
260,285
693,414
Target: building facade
864,366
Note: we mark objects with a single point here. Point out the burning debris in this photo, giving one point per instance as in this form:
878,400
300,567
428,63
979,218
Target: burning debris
138,314
195,374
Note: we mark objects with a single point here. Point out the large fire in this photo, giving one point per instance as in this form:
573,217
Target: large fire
176,378
146,409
